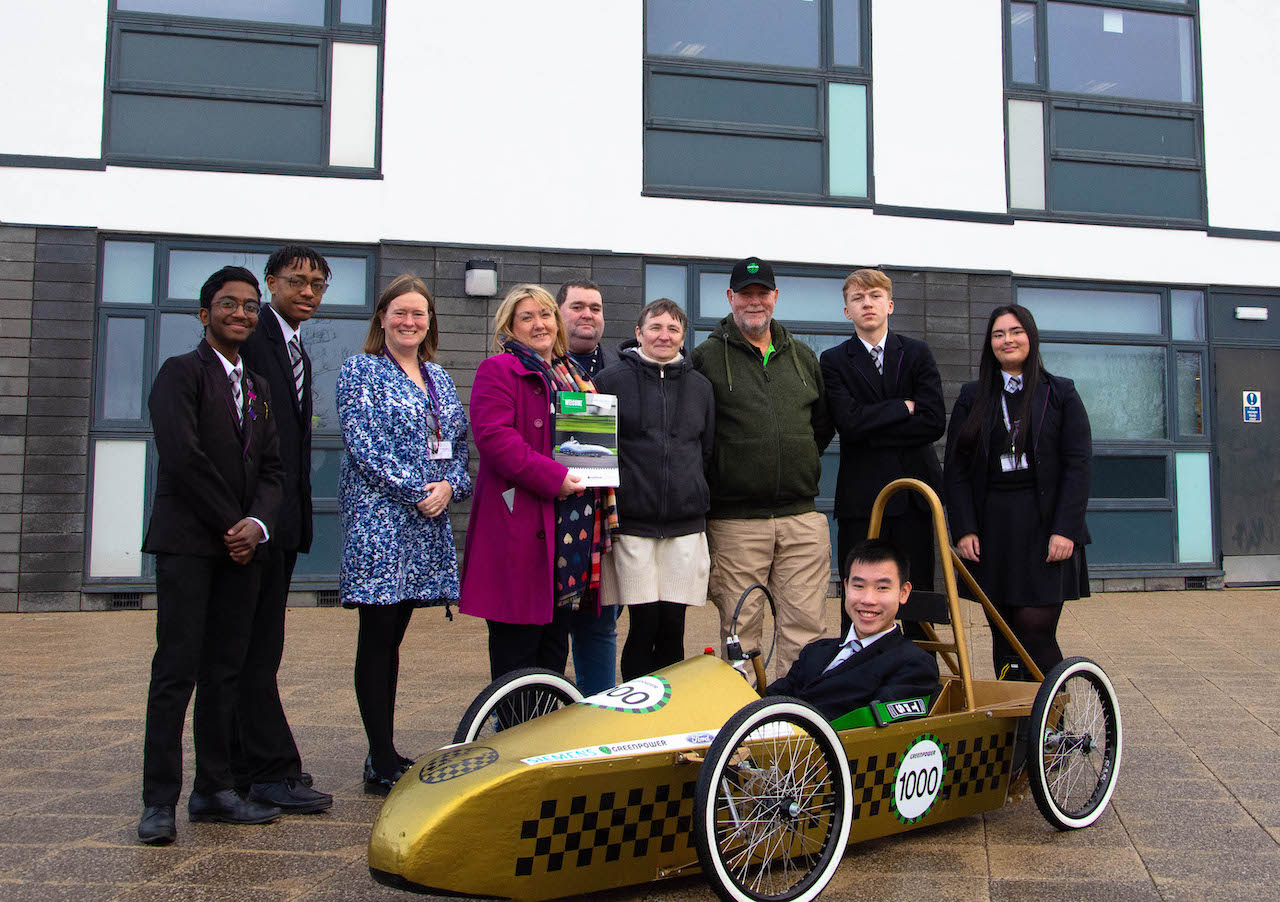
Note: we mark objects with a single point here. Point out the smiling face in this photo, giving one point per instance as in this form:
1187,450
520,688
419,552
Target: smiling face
752,309
296,303
227,322
868,309
583,312
872,595
661,337
1010,343
534,325
405,323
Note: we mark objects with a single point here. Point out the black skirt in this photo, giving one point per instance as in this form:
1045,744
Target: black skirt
1013,546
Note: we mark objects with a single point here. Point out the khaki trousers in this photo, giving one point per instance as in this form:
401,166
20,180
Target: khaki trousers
789,555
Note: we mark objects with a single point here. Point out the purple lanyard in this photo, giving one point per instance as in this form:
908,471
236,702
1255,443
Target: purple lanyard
426,380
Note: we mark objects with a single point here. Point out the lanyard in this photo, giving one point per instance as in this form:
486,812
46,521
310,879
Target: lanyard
426,380
1010,427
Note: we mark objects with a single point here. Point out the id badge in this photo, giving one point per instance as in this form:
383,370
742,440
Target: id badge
444,451
1009,462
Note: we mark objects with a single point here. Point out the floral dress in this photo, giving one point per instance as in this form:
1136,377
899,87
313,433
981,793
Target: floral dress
391,552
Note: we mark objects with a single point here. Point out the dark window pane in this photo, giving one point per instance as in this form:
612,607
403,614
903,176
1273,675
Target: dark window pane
179,333
1159,136
122,368
734,101
326,548
1129,477
326,463
230,131
1022,42
1120,53
178,60
768,32
329,342
298,12
1130,537
846,26
1132,190
1190,393
683,159
827,480
357,12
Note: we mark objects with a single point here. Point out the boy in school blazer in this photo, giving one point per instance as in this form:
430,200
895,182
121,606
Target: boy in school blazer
217,490
887,423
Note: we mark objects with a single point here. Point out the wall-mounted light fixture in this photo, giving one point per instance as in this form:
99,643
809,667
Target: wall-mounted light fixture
481,279
1259,313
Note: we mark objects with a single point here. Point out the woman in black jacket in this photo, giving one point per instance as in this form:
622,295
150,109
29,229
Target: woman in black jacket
666,425
1016,481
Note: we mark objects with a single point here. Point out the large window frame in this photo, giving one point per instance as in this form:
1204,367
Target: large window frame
321,38
1054,103
326,437
820,78
1178,439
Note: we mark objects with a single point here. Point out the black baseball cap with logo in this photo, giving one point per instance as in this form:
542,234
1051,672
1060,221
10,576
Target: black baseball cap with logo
751,271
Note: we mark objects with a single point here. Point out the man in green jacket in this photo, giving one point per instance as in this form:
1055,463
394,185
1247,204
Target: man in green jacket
771,426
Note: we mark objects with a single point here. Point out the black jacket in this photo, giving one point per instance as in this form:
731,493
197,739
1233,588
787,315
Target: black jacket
666,431
212,472
880,441
1062,446
890,669
265,353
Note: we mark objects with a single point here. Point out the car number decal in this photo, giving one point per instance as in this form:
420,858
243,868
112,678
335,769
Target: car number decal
639,696
919,778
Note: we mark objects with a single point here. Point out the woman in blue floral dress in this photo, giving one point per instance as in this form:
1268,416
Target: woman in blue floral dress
406,438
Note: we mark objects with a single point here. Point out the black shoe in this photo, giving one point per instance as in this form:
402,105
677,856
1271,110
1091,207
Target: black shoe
405,763
305,779
156,827
291,796
380,784
225,807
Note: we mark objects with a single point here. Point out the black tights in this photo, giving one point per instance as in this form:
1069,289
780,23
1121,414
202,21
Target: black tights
655,638
382,628
1037,630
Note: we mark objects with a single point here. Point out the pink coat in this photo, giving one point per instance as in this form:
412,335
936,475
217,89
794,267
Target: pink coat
508,567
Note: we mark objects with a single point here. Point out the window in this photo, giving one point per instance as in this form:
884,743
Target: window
147,313
1103,110
268,86
1137,355
757,98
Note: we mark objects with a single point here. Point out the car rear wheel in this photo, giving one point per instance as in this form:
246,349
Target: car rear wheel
773,804
1076,737
515,698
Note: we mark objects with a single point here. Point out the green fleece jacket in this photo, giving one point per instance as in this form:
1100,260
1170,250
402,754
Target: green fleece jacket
771,424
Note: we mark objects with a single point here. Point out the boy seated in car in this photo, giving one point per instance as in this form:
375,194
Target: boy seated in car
875,661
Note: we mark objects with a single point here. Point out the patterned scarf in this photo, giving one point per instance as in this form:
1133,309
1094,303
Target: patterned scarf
578,549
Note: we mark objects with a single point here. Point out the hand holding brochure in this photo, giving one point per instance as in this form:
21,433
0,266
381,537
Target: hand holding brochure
586,438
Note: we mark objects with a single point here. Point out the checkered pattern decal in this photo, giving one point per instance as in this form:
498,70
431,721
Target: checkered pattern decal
873,783
976,765
456,763
585,830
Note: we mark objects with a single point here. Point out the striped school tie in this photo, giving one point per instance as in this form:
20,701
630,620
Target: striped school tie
877,354
295,357
237,396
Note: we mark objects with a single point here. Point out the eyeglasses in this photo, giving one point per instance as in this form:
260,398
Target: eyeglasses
230,305
297,283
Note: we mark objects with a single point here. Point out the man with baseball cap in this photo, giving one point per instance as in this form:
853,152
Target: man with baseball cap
772,425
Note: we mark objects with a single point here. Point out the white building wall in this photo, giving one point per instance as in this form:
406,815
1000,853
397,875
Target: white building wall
1241,128
52,67
511,123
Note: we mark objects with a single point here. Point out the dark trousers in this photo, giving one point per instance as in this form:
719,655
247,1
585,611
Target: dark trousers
264,751
912,533
514,646
205,611
655,638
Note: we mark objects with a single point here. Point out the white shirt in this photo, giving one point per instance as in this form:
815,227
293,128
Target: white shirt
871,344
1009,377
288,331
230,367
846,650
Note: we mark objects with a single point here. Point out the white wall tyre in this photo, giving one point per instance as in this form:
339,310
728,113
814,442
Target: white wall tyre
773,807
514,698
1076,738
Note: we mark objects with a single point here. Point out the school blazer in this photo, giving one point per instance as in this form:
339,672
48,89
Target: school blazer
891,668
1061,444
880,441
212,471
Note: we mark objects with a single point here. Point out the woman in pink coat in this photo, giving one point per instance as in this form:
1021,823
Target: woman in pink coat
535,538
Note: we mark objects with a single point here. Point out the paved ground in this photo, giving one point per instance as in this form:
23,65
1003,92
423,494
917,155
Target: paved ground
1196,815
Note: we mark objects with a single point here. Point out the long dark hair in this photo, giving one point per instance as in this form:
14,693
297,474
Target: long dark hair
991,383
